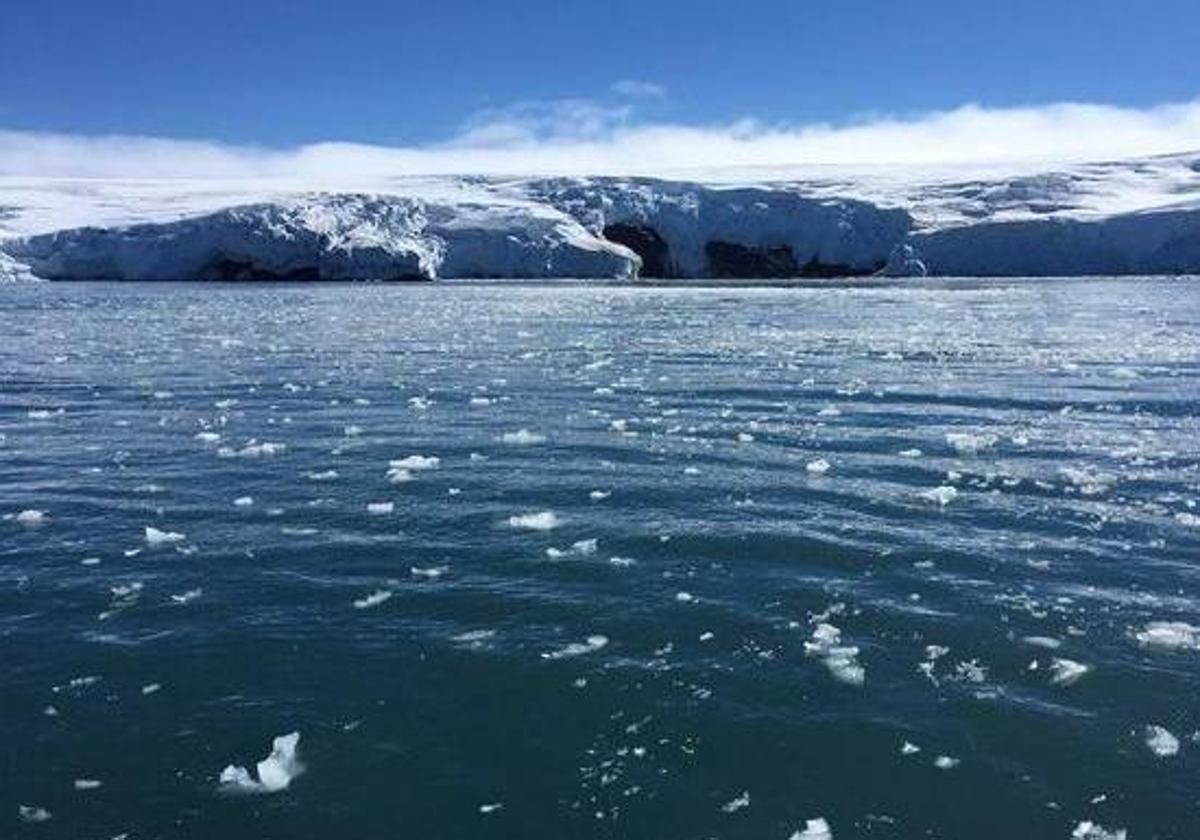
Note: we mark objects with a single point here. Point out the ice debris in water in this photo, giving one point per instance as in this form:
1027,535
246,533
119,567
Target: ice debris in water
253,449
841,660
966,443
1173,635
591,645
490,807
243,501
945,762
940,496
599,495
544,521
1088,830
738,803
580,547
380,508
32,814
372,600
31,517
1067,671
87,784
275,772
324,475
416,463
1161,741
817,467
815,829
156,537
522,437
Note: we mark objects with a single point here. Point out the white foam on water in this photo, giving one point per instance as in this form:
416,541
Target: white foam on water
522,437
1189,520
818,467
1088,830
814,829
545,520
154,536
1161,741
1067,671
591,645
380,508
44,413
1170,635
372,600
275,772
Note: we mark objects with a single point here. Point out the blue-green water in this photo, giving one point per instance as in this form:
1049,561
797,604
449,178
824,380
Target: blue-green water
626,601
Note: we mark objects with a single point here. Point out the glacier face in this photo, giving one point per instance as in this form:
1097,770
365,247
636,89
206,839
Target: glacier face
1140,216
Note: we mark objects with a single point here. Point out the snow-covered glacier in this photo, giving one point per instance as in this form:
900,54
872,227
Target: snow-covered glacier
1125,217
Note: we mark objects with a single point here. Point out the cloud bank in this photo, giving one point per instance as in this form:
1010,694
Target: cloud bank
583,137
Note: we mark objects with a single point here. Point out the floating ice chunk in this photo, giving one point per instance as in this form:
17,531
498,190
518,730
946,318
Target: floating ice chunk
243,501
546,520
908,748
737,803
815,829
940,496
599,495
581,547
911,453
372,600
966,443
432,572
32,814
1188,520
154,536
479,402
685,597
841,660
490,807
208,437
380,508
275,772
187,597
352,431
87,784
325,475
623,562
945,762
415,463
1161,741
44,413
1088,481
593,644
817,467
151,688
1088,830
399,476
1067,671
1172,635
522,437
1048,642
31,517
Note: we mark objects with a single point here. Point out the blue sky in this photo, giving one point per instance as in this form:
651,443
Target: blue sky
616,86
282,73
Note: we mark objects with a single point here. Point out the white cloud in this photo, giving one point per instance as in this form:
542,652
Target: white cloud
580,136
638,89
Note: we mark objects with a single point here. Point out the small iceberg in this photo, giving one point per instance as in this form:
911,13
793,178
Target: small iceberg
546,520
156,537
815,829
275,772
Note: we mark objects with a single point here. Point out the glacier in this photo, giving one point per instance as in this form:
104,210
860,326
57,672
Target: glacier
1138,216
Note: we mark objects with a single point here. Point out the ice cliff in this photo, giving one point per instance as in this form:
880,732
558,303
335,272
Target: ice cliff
1140,216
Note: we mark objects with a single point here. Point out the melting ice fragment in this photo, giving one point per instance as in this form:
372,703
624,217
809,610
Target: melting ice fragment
275,772
1088,830
544,521
940,496
593,644
815,829
841,660
32,814
522,437
1067,671
1161,741
156,537
1172,635
372,600
31,517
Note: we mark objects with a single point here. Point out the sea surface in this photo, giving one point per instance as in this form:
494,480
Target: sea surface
878,560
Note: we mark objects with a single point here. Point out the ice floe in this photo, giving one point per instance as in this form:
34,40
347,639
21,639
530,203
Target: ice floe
814,829
522,437
275,772
940,496
545,520
1067,671
1171,635
372,600
1161,741
825,643
31,517
590,645
1088,830
155,537
380,508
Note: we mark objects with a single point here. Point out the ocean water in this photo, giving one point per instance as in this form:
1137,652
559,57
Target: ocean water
917,559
